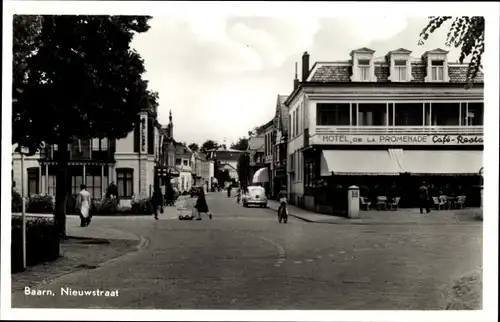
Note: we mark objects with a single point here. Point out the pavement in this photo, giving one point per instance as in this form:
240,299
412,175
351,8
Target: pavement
244,259
388,217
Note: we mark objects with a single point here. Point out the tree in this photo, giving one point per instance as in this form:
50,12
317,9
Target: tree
209,145
241,144
243,169
80,80
466,33
194,147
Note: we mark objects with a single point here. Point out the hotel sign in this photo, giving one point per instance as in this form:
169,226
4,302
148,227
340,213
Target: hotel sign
396,139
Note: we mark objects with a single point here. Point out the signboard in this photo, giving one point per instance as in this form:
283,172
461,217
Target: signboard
396,139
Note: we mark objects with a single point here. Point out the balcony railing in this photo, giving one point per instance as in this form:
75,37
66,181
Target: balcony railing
427,129
49,154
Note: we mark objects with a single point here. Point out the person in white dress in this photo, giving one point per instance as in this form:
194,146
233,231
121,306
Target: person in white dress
85,201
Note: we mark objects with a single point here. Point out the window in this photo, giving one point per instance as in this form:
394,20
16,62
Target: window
151,136
400,70
76,182
99,144
33,181
372,114
177,161
332,114
137,134
297,122
408,114
185,162
94,185
125,182
475,114
52,185
364,69
437,70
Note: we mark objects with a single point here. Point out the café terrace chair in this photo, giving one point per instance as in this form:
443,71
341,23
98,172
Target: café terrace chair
381,202
394,204
365,202
459,202
439,202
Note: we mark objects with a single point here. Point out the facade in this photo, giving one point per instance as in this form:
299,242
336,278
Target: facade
227,159
279,155
256,145
269,141
381,121
204,171
184,162
129,162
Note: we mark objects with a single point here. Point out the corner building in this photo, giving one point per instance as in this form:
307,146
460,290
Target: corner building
377,122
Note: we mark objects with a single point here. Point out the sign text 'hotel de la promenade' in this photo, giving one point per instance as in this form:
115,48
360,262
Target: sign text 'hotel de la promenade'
396,139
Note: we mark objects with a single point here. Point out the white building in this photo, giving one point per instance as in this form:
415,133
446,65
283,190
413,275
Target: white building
379,121
129,162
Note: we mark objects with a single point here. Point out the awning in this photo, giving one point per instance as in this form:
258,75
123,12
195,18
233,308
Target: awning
373,162
442,162
261,175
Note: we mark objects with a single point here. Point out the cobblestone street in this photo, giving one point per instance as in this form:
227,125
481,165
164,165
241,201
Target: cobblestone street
244,259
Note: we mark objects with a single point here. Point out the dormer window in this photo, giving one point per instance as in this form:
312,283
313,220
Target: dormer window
437,65
364,69
437,70
400,70
400,65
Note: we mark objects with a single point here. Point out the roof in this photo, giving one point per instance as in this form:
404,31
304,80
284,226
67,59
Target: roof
180,148
283,113
256,143
332,73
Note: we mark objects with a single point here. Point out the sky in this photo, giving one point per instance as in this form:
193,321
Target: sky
220,76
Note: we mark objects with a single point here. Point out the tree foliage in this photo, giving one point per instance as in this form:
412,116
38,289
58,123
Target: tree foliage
76,77
466,33
209,145
241,144
243,169
194,147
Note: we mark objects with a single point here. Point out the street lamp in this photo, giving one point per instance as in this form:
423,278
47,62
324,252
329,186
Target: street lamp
23,151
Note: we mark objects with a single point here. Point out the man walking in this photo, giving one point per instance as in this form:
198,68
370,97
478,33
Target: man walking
423,196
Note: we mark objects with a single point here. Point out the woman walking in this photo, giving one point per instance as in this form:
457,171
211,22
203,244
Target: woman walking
201,205
84,201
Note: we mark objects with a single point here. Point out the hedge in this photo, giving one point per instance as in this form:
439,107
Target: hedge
42,204
42,242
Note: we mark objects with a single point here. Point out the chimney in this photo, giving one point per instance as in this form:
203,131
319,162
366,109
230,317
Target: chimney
305,66
296,79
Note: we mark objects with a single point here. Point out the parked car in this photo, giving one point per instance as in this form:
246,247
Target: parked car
255,195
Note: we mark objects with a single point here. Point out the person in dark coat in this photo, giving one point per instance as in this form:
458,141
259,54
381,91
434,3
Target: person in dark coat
423,198
201,205
157,201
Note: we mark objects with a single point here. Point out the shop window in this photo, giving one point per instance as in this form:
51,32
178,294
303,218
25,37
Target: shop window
125,182
409,114
372,114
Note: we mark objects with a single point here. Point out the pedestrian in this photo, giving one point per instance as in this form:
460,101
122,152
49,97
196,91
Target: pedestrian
229,191
423,197
201,205
84,202
157,201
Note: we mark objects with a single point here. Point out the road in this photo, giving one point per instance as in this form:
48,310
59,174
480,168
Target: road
244,259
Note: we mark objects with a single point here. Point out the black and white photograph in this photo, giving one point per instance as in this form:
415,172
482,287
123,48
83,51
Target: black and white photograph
250,161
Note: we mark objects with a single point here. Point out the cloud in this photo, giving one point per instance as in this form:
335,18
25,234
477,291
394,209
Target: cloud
220,76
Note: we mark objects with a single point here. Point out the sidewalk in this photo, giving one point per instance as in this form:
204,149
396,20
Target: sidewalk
374,217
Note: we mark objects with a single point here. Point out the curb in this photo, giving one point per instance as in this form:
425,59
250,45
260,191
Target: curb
360,222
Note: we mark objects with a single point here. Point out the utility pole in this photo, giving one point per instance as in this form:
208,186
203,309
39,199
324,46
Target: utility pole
23,151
